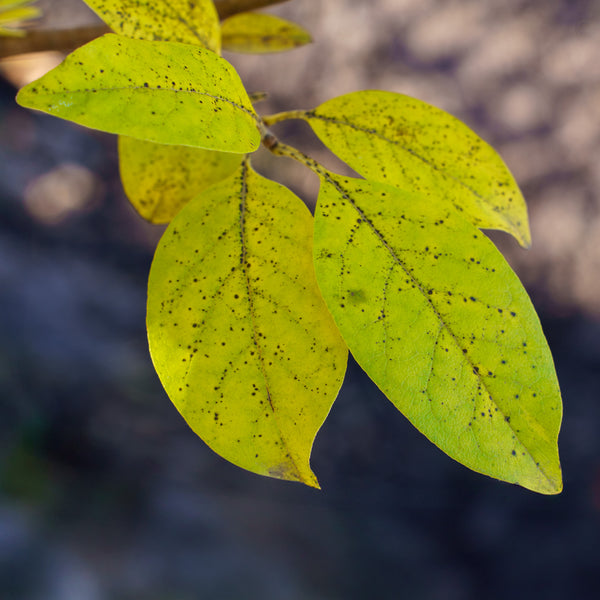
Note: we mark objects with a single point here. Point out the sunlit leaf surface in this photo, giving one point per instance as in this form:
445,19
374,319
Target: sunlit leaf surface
239,333
412,145
164,92
435,316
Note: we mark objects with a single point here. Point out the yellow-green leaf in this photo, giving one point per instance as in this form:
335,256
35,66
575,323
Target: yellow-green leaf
435,316
159,180
261,33
12,15
16,15
164,92
182,21
239,333
412,145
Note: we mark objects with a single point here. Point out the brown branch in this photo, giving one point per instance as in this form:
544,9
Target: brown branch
227,8
50,39
68,39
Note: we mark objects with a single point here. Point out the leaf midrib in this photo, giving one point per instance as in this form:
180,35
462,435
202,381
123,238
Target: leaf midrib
152,89
250,296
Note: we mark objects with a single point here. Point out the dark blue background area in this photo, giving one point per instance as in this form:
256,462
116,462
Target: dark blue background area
105,492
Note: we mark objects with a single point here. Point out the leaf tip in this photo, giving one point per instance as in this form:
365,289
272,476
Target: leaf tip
312,482
290,472
22,94
548,484
555,486
525,239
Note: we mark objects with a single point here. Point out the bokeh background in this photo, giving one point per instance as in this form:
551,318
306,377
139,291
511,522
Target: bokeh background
104,491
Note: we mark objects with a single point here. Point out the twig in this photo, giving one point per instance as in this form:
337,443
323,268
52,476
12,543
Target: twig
226,8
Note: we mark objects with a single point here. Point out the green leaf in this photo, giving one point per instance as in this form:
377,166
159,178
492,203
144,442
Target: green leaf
435,316
159,180
182,21
260,33
239,333
163,92
412,145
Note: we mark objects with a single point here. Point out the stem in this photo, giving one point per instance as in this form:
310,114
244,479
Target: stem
280,149
284,116
67,39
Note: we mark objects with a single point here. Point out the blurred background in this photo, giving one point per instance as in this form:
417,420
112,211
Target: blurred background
104,491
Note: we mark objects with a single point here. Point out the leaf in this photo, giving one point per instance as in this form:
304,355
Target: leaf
435,316
16,15
261,33
164,92
195,23
12,15
239,333
159,180
412,145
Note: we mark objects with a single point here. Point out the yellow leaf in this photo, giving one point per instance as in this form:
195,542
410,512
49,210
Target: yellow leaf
159,180
414,146
164,92
239,333
182,21
261,33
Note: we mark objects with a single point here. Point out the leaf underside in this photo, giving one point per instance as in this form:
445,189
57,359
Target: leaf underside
159,180
164,92
435,316
195,23
261,33
239,333
412,145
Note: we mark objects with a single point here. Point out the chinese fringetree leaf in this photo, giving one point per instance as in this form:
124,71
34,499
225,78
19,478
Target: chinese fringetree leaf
195,23
435,316
412,145
159,180
239,333
261,33
164,92
12,15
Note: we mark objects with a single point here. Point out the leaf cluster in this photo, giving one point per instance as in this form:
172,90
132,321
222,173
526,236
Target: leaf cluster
254,303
